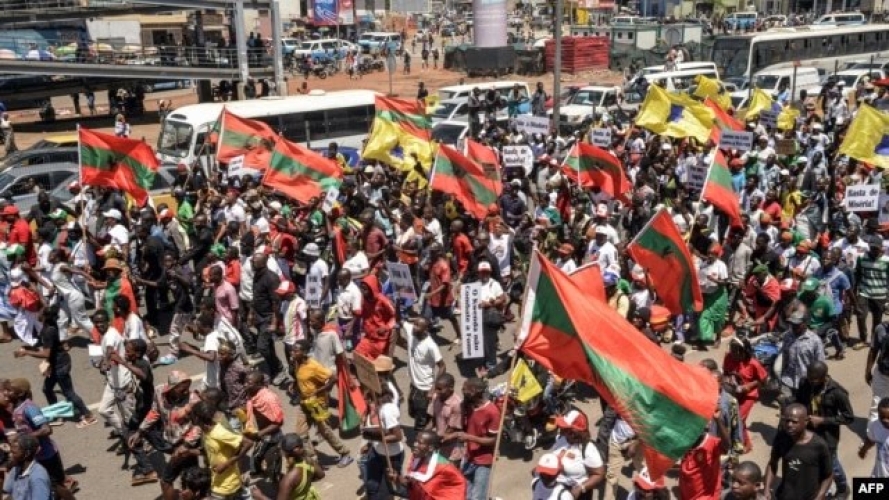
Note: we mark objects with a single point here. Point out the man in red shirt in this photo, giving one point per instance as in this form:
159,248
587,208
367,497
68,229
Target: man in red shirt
19,232
461,248
440,298
482,423
700,475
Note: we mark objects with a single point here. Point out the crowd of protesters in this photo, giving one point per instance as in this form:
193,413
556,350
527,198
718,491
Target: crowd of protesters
224,276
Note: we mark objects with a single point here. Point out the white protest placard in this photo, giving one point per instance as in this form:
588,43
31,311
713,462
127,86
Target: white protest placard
884,208
697,174
236,167
769,118
518,157
330,199
313,290
732,139
471,322
400,277
862,198
601,137
532,124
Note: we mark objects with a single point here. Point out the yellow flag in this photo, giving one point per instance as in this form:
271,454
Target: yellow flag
524,383
675,115
709,87
867,139
787,118
382,139
759,102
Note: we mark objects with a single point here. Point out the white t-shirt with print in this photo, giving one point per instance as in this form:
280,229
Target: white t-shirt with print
576,459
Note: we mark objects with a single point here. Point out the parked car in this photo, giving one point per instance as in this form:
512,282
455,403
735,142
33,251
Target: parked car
20,183
27,157
56,141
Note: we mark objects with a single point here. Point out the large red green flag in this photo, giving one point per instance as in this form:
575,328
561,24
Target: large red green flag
487,158
669,404
463,178
589,165
660,249
117,162
719,192
722,120
589,277
238,136
300,173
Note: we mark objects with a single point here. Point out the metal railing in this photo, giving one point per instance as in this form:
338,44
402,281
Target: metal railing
43,50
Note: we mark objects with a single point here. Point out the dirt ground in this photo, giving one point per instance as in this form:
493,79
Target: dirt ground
29,129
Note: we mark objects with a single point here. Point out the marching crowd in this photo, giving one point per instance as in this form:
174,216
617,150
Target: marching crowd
278,298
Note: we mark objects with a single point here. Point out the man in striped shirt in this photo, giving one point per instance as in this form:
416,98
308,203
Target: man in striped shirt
872,283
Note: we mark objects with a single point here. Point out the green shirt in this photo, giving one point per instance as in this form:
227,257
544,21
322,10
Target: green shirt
821,311
185,214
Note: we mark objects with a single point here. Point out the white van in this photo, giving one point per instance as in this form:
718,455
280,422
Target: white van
626,20
741,20
685,66
373,42
463,91
455,132
841,19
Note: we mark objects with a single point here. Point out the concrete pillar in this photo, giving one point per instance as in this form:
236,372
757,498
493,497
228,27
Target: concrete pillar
277,52
241,42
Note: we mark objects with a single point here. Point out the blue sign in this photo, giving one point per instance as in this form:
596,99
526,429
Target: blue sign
325,12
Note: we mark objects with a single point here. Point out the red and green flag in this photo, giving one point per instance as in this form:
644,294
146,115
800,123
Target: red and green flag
589,165
719,192
117,162
722,120
669,404
589,277
350,400
463,178
411,125
660,249
300,173
252,139
438,478
487,158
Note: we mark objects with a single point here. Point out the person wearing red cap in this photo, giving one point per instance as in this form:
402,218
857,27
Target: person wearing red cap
582,469
19,233
644,488
545,485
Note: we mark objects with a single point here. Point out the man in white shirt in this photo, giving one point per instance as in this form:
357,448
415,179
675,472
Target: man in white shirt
318,274
603,252
233,211
425,365
113,409
117,232
348,306
208,353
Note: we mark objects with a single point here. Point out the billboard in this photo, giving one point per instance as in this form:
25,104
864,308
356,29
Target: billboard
489,23
325,12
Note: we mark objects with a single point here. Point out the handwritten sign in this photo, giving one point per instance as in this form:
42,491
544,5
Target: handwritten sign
697,174
400,277
313,290
471,321
330,199
769,118
601,137
236,167
731,139
532,124
366,373
518,157
862,198
786,147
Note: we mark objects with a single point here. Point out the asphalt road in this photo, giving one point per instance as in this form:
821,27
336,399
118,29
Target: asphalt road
87,456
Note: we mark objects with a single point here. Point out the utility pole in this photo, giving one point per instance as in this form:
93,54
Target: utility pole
557,70
241,42
278,48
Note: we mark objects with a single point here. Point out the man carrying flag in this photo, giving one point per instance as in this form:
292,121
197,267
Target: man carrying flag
430,476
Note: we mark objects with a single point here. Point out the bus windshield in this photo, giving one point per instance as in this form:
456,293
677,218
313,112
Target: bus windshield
175,139
731,56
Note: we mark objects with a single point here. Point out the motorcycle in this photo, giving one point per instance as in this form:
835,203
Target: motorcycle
526,422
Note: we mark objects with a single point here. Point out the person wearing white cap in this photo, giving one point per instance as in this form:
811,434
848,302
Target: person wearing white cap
601,221
582,469
26,303
492,299
318,273
545,484
116,231
603,252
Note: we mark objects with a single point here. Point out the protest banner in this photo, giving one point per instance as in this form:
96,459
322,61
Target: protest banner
532,124
366,373
862,198
400,277
236,167
769,119
518,157
785,147
732,139
313,290
471,322
330,199
697,175
601,137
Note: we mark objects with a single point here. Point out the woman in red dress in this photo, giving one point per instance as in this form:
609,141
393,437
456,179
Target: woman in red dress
748,375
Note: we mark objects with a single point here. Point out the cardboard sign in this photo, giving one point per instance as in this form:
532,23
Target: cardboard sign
786,147
697,175
366,373
400,277
601,137
330,200
236,167
313,290
518,157
471,322
863,198
731,139
532,124
769,118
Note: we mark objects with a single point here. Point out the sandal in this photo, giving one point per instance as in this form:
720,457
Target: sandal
86,422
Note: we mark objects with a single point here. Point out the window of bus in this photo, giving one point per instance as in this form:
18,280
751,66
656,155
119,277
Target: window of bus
295,126
345,122
731,56
175,138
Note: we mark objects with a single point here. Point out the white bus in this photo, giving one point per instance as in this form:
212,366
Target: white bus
316,119
739,57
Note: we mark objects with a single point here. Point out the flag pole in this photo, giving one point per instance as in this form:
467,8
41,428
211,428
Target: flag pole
512,365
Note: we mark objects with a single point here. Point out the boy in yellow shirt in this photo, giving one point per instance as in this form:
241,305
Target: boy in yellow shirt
224,450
